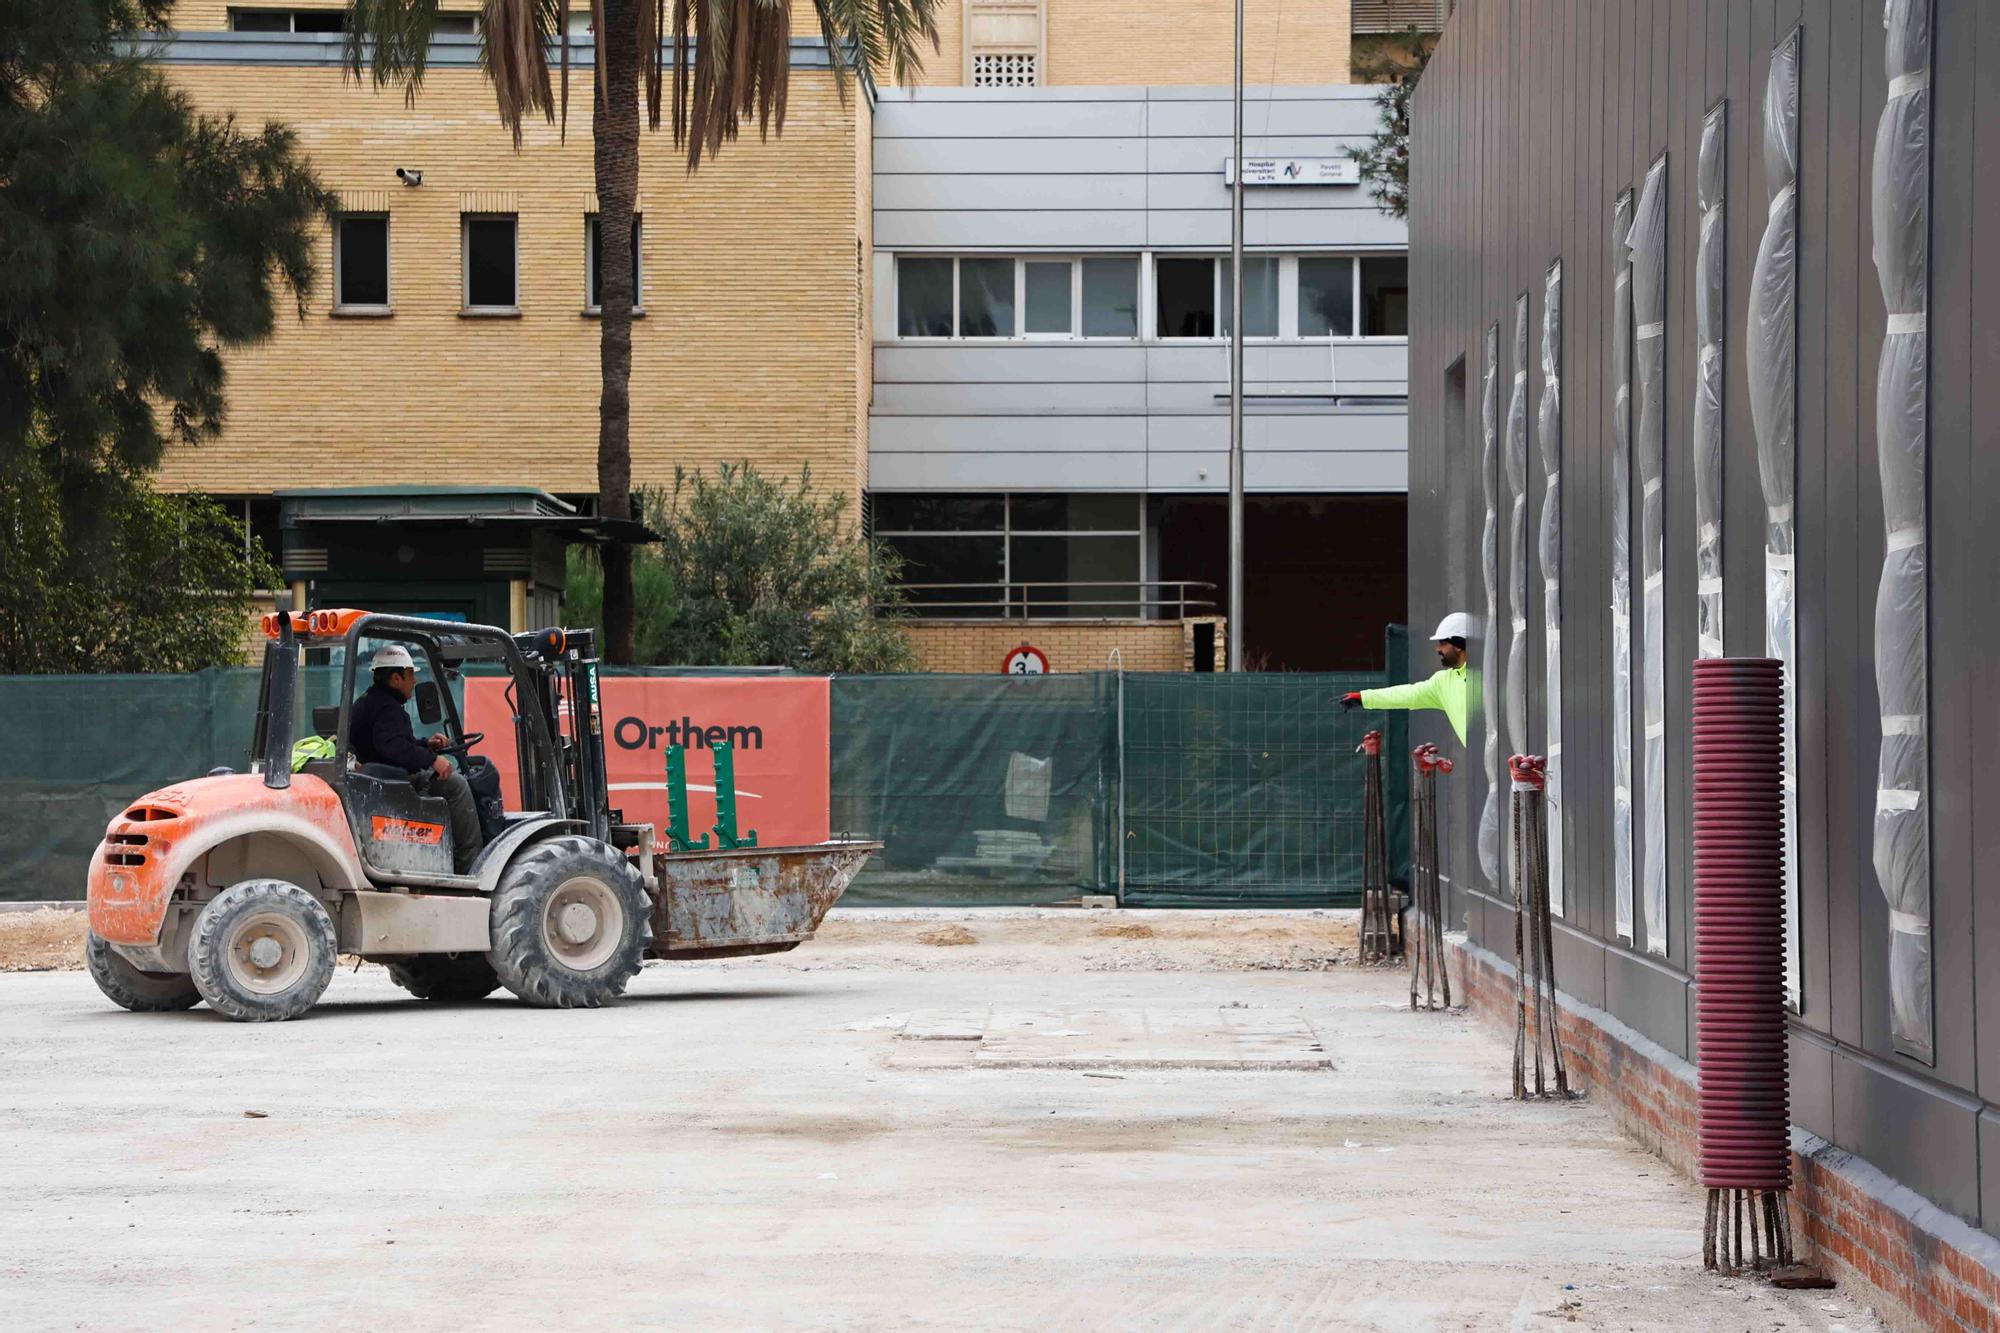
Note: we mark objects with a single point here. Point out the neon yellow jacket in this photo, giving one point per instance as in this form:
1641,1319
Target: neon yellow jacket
1445,690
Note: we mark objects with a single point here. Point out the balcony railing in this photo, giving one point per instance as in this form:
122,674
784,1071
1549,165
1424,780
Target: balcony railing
1137,599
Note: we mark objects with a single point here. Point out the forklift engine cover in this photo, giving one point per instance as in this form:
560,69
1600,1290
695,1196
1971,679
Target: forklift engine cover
162,836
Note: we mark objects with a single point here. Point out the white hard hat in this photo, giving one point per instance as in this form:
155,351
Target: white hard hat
1457,625
394,655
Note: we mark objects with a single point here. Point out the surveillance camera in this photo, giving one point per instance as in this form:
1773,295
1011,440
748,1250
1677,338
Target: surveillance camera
409,175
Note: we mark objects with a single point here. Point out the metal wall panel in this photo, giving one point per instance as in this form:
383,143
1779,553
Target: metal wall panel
1531,118
1106,170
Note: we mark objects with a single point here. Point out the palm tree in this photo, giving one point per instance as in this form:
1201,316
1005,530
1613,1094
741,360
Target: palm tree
730,60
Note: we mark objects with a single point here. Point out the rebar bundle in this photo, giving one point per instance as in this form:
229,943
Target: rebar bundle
1427,961
1379,941
1534,941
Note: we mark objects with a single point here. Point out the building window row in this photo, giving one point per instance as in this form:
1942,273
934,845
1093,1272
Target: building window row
1284,296
976,555
330,21
489,264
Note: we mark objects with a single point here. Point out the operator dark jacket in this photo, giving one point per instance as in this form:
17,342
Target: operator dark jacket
379,732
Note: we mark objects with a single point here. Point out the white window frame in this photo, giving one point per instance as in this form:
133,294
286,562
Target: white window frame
388,263
590,263
465,306
1146,271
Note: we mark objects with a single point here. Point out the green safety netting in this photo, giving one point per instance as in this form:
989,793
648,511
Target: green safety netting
1219,790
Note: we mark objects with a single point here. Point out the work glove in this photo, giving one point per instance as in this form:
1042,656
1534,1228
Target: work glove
1351,700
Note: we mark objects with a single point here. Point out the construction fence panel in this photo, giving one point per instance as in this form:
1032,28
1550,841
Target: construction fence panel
1236,790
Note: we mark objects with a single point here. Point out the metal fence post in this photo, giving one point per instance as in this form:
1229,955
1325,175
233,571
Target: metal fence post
1118,660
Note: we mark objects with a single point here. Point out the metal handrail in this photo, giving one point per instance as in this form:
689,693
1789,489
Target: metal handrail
1015,600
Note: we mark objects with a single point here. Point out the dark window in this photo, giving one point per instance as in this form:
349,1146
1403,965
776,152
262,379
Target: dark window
596,286
319,20
973,560
923,298
1110,298
489,263
1106,567
1075,513
1326,298
1260,297
938,513
1385,297
985,298
362,264
1186,297
457,25
260,20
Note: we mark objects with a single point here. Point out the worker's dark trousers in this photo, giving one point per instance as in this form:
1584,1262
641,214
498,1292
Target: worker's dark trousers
465,837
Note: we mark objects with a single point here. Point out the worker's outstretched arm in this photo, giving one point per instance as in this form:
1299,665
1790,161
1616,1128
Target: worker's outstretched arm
1416,694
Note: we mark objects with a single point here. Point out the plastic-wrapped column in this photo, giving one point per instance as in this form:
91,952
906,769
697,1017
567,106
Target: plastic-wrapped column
1489,560
1772,354
1515,681
1710,313
1902,186
1548,430
1648,243
1739,883
1621,568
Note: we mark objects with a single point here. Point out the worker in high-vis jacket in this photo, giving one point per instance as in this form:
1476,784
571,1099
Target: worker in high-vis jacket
1444,690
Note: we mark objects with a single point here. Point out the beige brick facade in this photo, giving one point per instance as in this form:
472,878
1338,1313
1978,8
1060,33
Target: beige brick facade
754,342
1070,645
1170,42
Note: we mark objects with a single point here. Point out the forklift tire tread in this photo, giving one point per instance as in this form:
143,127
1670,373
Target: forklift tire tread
522,956
229,970
446,977
129,988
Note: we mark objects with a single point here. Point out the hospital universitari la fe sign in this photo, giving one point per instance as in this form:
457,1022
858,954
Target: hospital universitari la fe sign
1293,171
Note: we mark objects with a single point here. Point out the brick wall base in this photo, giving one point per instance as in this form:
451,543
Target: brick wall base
980,647
1916,1265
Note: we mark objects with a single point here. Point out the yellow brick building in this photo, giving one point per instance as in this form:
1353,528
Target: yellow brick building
758,338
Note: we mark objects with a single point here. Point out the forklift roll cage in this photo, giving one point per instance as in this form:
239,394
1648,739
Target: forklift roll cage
552,679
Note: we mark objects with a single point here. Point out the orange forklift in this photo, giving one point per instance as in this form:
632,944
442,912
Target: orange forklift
242,889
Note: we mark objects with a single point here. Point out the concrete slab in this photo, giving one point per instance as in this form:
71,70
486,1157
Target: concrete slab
736,1146
1198,1037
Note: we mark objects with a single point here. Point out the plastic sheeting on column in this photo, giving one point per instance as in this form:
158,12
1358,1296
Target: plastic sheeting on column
1515,681
1710,314
1772,354
1648,244
1621,567
1548,430
1489,559
1901,186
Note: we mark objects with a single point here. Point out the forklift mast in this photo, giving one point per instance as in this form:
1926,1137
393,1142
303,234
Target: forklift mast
567,691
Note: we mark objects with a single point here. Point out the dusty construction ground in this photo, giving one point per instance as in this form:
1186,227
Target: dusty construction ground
760,1144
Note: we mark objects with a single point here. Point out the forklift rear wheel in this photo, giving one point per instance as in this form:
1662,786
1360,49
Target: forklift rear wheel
128,987
570,924
262,951
446,976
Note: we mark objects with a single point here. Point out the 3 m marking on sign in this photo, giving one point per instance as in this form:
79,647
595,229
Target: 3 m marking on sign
1027,660
386,829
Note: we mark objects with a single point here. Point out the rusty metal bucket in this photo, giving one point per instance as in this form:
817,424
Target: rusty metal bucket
748,900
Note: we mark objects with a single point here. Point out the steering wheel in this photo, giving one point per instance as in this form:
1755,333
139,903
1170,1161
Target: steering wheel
463,743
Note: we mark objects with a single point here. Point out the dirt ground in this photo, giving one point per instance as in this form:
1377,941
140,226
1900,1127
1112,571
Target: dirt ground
1003,939
45,940
1064,1123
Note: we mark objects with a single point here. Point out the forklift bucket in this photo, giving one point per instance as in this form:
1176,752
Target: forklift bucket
746,900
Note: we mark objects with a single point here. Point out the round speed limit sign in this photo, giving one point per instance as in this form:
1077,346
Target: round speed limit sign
1026,661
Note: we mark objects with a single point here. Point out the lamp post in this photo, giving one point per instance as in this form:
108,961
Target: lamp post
1236,369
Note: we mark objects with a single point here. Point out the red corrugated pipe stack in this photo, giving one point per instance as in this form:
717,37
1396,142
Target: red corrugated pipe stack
1739,919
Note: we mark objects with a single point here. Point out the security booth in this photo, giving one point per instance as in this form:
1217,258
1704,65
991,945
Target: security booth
492,555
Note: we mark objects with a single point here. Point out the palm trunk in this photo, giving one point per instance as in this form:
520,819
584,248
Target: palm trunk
615,126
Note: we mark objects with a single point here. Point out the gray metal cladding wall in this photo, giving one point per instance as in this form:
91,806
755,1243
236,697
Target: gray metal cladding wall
1531,120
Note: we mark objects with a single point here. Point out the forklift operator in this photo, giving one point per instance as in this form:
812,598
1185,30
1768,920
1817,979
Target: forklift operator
379,733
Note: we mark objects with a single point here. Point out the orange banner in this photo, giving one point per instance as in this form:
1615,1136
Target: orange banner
777,726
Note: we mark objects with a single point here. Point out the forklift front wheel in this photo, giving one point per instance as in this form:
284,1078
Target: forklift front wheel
262,951
570,924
